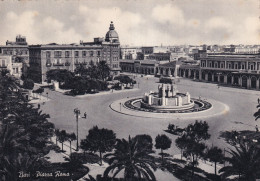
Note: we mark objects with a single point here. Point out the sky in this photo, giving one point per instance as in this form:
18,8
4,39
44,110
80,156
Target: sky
138,22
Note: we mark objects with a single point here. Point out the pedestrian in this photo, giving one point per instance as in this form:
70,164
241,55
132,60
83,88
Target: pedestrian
85,115
256,128
258,100
39,106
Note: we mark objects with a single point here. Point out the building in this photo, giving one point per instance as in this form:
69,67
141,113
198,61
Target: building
69,56
129,53
148,67
230,69
18,50
139,66
15,68
160,56
54,56
147,50
110,49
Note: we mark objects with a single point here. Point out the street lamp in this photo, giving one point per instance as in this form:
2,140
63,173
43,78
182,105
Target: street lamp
138,85
120,106
47,94
77,113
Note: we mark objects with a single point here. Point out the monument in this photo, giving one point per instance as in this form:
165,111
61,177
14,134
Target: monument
167,98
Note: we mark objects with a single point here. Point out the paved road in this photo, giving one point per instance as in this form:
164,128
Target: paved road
242,105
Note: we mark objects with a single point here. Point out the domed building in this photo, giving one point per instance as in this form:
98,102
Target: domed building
112,35
111,49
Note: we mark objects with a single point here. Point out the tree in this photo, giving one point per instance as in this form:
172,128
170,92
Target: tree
192,141
60,75
180,142
162,142
144,142
215,155
81,70
100,140
133,161
71,137
244,162
28,84
62,138
103,70
24,131
57,133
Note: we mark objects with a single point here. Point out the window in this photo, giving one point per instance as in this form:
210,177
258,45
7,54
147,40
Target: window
209,64
57,54
98,53
67,54
91,53
76,53
48,54
3,63
84,54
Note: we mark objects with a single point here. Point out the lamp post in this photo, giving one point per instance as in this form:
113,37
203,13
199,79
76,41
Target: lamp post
77,113
47,94
138,85
120,106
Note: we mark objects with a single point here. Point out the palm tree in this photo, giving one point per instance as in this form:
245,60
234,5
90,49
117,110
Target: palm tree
71,137
11,145
134,161
244,162
57,132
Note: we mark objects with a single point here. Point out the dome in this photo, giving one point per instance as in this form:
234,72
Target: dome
112,35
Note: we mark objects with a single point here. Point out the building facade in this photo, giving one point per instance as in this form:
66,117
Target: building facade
233,69
6,62
129,53
54,56
18,50
148,67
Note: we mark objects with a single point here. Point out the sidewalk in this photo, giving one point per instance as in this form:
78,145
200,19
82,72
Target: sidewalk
207,166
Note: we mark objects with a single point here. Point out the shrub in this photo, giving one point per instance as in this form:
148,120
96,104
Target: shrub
28,84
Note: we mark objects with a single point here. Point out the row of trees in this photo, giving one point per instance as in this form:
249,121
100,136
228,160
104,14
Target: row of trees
135,156
62,136
24,131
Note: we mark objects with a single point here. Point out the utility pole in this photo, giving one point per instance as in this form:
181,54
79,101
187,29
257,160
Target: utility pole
77,113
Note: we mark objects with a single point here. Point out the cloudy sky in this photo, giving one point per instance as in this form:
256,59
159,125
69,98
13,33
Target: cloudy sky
138,22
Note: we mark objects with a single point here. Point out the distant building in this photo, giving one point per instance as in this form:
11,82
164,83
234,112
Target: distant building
14,68
129,53
160,56
19,52
20,40
147,50
230,69
148,67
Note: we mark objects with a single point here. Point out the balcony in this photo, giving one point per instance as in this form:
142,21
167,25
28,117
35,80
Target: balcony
3,66
58,64
67,63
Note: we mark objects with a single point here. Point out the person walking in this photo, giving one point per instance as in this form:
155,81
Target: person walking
85,115
256,129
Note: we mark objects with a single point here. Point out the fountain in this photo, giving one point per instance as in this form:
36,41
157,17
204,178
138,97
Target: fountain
167,98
